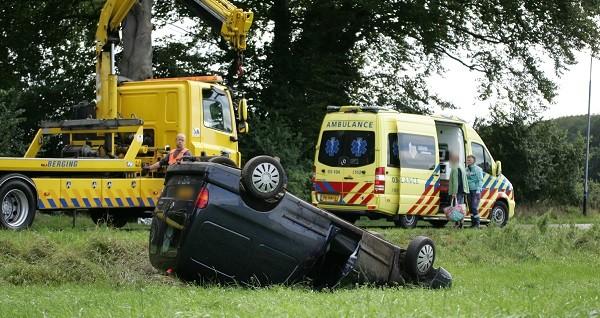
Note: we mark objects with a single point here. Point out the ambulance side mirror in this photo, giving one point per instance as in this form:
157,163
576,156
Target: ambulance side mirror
243,127
498,168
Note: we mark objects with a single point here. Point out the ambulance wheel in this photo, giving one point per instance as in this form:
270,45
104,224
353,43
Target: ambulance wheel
438,224
407,221
223,161
420,257
103,217
499,214
264,178
18,205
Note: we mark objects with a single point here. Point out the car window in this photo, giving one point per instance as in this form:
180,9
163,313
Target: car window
347,148
482,157
416,151
216,110
393,151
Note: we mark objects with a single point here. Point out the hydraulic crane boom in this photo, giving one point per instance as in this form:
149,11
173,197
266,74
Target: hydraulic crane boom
234,26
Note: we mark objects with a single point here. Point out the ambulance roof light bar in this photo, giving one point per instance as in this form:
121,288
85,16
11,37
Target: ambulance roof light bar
356,109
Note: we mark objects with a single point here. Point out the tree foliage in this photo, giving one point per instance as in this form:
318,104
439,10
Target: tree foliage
541,161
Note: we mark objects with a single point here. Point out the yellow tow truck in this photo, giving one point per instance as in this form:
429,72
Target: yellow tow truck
100,162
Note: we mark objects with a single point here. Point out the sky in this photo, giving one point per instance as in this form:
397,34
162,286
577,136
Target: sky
459,86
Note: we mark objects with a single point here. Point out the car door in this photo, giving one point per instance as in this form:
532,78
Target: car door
419,167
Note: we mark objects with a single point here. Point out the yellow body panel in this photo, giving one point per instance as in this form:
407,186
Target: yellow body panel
90,193
407,190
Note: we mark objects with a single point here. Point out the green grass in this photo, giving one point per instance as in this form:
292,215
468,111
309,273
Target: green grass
54,270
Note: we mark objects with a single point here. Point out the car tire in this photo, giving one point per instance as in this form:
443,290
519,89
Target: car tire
499,214
264,178
420,257
18,205
103,217
407,221
438,224
223,161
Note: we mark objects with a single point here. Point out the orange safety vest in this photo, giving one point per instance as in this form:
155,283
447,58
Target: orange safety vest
173,159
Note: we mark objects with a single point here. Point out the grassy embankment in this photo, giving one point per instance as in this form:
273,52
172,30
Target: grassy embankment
54,270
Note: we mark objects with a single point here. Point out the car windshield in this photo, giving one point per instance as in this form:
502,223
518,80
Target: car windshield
347,148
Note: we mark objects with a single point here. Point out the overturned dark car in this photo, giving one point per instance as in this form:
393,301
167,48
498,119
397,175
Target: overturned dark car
215,223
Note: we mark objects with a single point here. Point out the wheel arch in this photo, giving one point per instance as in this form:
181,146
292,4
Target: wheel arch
17,176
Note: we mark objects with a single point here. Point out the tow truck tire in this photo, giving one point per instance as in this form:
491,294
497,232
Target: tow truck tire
264,178
18,205
420,257
407,221
223,161
101,217
499,214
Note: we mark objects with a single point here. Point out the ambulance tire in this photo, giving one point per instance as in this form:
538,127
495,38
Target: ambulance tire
407,221
264,178
223,161
104,217
420,257
499,214
18,205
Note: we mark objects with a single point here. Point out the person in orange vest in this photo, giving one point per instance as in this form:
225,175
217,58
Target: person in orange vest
174,156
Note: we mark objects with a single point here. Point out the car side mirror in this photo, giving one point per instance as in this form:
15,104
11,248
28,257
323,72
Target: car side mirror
498,168
243,126
243,110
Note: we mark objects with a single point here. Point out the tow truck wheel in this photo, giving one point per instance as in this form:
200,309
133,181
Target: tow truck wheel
420,257
103,217
407,221
18,205
499,214
264,177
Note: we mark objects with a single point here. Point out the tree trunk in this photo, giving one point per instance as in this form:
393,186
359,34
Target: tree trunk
136,60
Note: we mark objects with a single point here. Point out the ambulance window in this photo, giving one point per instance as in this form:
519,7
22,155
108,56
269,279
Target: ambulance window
416,151
347,148
216,110
393,151
483,159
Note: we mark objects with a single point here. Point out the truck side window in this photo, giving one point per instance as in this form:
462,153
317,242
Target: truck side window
216,110
416,151
393,151
484,160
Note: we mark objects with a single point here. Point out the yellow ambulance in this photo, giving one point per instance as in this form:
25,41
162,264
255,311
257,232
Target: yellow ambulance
380,163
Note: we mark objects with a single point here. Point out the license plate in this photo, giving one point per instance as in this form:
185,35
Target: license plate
330,198
185,193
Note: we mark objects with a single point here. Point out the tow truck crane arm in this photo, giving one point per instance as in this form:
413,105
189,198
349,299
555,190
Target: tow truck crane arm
235,24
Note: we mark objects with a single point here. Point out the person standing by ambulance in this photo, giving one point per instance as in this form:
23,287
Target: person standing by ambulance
174,156
475,179
458,186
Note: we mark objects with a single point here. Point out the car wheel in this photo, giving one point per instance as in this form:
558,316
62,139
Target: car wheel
102,217
420,257
18,205
264,177
499,214
438,224
407,221
223,161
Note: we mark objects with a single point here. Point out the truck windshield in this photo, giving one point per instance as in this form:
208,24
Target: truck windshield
216,110
347,148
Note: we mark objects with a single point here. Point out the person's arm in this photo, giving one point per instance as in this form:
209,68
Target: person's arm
163,162
479,179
